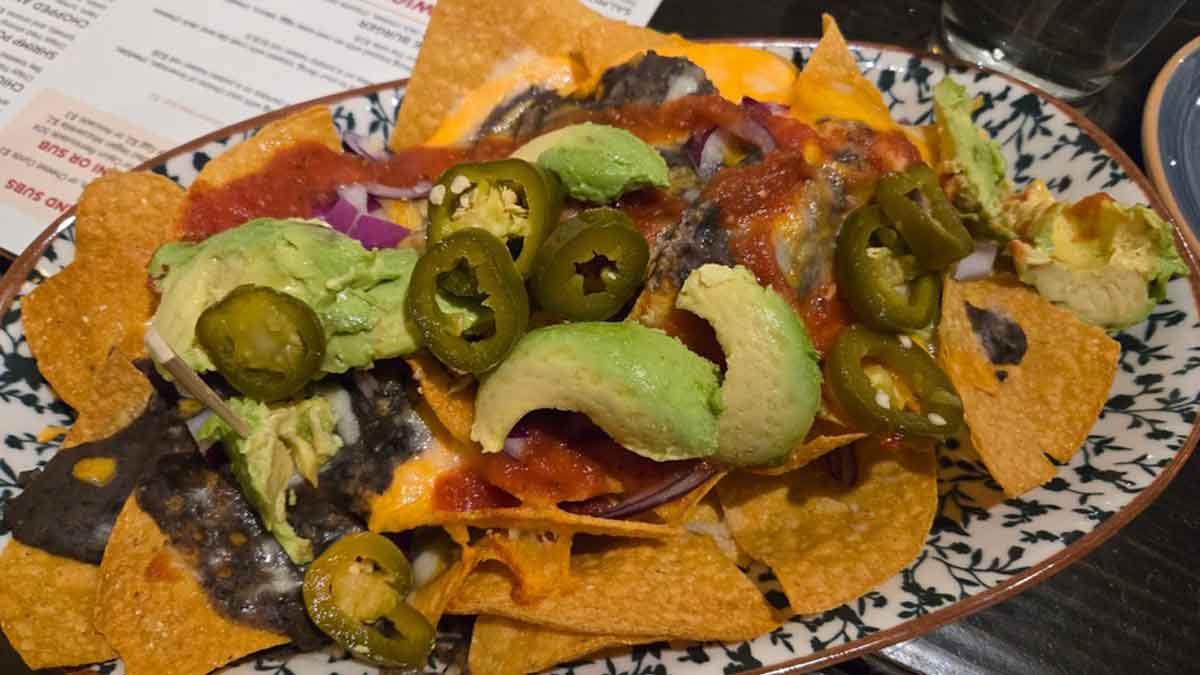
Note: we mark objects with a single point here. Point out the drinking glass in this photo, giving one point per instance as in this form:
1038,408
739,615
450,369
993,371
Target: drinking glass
1069,48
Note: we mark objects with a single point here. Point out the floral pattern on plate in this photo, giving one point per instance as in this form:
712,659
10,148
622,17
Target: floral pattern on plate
979,539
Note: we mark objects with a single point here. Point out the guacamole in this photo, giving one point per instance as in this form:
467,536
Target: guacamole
978,182
1106,262
285,440
357,294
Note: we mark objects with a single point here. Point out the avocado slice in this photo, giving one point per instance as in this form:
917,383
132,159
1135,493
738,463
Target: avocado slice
357,294
1106,262
641,386
977,170
772,386
597,163
284,439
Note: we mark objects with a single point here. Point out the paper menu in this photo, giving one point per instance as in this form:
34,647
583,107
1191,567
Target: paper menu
90,85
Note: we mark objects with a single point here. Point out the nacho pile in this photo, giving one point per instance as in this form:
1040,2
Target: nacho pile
563,541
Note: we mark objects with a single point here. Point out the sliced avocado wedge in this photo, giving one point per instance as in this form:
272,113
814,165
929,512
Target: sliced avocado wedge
641,386
772,386
596,163
977,170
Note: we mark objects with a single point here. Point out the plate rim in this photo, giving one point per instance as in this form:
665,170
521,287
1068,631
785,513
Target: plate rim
1151,152
25,263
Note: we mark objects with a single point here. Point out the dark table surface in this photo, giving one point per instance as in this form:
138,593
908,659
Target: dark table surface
1133,604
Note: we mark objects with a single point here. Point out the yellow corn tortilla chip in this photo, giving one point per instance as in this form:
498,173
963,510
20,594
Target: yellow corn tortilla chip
827,543
431,598
637,587
540,561
119,393
154,612
707,519
499,33
831,85
54,628
103,299
1047,403
311,125
811,448
451,399
676,511
502,646
46,605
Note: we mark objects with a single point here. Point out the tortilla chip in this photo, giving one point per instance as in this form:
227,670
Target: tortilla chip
831,85
676,511
812,448
155,613
119,393
46,605
639,587
431,598
1048,402
103,299
829,544
540,561
311,125
706,519
501,33
501,646
451,399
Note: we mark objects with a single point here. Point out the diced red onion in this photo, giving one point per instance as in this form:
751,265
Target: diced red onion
415,191
374,232
707,150
979,264
712,155
695,145
751,128
753,132
767,107
672,488
353,216
340,216
355,194
359,145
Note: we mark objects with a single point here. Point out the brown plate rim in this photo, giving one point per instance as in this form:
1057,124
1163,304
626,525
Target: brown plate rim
1150,114
24,265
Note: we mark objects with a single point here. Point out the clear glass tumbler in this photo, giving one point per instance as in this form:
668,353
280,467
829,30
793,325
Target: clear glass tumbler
1069,48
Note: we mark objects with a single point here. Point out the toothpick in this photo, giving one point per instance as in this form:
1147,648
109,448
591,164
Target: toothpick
190,382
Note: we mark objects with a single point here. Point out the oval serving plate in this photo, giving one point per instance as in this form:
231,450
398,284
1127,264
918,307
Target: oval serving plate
982,547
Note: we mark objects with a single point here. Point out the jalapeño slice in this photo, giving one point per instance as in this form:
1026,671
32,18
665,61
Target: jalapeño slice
939,408
267,344
918,208
591,266
354,592
879,279
472,325
510,198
